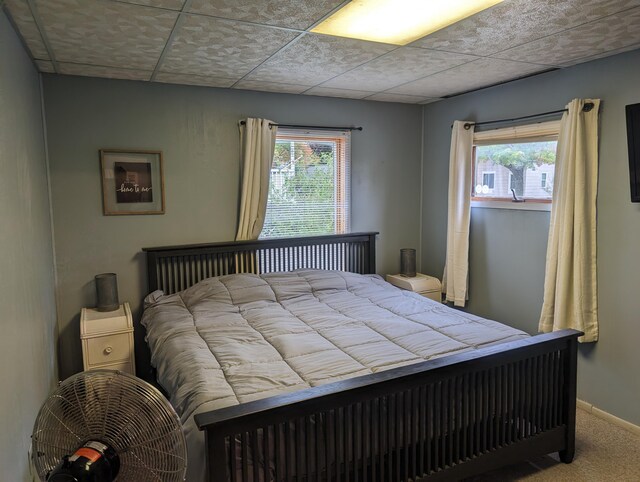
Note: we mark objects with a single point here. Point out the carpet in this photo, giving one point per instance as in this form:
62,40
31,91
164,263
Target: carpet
604,452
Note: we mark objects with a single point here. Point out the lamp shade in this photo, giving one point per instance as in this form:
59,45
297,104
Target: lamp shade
107,292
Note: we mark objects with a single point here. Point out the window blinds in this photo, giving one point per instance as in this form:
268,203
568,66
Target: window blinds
541,131
309,188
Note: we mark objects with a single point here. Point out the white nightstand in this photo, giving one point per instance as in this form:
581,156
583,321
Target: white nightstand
424,285
107,339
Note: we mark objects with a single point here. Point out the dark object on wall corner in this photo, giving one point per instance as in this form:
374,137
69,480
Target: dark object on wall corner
633,139
107,292
408,262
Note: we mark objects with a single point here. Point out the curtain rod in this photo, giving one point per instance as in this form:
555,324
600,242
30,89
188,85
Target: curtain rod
586,108
325,128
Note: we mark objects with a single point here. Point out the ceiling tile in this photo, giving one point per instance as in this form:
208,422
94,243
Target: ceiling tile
298,14
101,71
193,79
405,99
170,4
222,48
601,55
270,87
45,66
515,22
106,33
344,93
313,59
397,67
474,75
21,15
246,44
610,33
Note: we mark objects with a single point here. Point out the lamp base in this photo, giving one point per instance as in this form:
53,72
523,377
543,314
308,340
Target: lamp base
107,292
408,262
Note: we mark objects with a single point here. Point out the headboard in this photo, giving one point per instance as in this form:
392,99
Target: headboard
175,268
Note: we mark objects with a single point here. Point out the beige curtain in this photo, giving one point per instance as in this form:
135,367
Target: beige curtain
257,144
570,289
456,271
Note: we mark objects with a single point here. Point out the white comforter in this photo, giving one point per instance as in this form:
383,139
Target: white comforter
237,338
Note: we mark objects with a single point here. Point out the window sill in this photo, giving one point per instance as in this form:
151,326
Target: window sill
524,206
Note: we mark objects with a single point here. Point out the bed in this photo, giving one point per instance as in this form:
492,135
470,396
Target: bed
296,362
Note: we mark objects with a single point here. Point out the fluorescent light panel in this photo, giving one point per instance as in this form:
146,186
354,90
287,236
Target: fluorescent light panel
398,22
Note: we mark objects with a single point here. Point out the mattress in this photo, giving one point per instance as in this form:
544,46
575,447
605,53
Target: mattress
238,338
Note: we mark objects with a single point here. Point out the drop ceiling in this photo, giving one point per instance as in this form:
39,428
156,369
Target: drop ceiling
265,45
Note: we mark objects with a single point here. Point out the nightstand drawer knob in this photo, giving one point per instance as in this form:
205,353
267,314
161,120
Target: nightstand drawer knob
108,350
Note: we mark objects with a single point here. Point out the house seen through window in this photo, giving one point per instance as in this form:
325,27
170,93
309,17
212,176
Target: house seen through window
309,185
518,161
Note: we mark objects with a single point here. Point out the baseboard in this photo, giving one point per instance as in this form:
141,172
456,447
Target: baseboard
595,411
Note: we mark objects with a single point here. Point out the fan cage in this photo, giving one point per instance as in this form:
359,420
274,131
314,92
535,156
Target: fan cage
120,410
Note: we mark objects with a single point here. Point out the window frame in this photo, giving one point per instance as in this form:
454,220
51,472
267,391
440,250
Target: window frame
342,172
493,178
537,132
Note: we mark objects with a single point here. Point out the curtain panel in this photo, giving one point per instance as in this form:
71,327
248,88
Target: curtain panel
570,286
257,145
455,280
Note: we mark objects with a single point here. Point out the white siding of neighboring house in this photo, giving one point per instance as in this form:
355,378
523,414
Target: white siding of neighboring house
533,181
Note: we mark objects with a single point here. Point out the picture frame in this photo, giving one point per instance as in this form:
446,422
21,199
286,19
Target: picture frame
132,182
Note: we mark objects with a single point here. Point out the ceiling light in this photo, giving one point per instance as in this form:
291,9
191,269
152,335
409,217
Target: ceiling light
398,21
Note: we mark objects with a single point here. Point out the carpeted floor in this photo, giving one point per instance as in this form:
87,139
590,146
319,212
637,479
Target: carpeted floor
604,452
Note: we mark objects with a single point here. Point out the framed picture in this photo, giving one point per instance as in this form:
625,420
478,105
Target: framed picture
132,182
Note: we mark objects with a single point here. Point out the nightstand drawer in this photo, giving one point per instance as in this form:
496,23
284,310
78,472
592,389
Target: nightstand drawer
435,295
108,349
424,285
107,339
121,366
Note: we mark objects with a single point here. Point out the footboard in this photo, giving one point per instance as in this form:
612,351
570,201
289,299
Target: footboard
447,418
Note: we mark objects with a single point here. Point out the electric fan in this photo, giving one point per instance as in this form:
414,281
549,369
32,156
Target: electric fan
104,425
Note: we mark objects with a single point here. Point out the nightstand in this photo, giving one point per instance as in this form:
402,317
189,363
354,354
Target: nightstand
107,339
424,285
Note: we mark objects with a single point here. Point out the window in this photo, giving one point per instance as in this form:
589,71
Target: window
309,188
488,181
520,158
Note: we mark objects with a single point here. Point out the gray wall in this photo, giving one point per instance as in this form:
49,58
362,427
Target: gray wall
197,130
507,253
27,302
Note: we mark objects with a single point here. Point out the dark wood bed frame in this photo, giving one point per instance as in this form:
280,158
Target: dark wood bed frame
443,419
